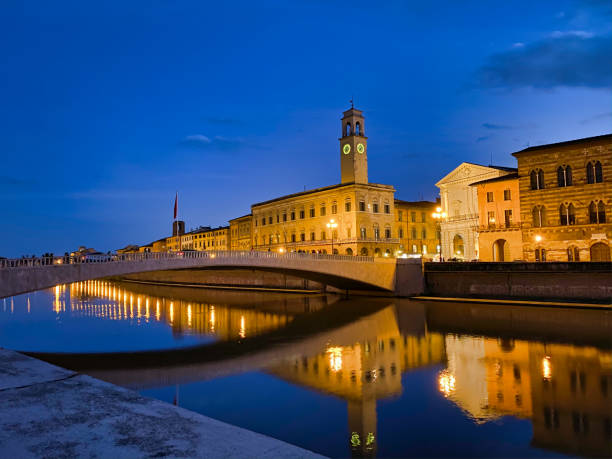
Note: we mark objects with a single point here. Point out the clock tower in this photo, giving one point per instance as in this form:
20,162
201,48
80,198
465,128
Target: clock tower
353,148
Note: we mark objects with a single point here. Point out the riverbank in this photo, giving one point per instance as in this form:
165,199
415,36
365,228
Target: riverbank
49,411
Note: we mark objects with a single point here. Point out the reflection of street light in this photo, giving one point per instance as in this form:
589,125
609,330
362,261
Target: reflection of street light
281,250
332,225
438,215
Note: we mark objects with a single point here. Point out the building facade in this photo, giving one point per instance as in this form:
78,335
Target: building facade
241,233
460,202
354,217
499,219
566,200
416,229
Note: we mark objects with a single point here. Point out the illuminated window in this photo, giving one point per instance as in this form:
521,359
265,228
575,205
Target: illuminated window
414,248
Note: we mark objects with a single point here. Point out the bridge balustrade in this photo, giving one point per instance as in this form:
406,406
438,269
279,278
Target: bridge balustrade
133,257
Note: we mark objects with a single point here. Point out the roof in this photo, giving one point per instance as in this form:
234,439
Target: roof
317,190
501,168
238,218
512,176
456,169
568,143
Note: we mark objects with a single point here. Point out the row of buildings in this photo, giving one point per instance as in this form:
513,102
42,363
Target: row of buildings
551,207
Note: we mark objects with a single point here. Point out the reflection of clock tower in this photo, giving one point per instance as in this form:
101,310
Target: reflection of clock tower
353,148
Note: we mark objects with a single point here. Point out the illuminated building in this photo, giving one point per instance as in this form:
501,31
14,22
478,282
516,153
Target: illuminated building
362,212
499,219
460,202
566,200
241,233
416,228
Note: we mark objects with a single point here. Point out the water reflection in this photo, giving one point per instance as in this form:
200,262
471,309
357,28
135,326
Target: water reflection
551,368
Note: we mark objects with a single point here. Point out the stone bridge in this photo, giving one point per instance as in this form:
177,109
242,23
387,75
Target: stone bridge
399,277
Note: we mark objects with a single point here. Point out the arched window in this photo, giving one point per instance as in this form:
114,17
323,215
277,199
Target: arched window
564,175
347,130
538,216
540,254
349,251
573,253
364,252
567,214
536,178
597,212
458,248
594,172
357,128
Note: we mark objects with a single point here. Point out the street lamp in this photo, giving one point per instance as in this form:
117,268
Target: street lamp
332,225
438,215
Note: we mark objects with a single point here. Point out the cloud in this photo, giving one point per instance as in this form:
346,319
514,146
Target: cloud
495,126
598,117
564,59
201,142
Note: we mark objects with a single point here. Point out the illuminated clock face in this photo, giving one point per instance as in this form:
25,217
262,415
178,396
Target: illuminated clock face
360,148
346,149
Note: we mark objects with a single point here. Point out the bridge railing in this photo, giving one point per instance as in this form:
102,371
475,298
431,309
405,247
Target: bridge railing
7,263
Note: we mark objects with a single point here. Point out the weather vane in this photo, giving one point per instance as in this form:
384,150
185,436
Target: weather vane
352,106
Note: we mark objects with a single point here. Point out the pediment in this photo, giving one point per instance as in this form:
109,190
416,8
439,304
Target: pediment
465,171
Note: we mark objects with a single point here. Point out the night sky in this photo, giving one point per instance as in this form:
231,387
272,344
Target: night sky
109,108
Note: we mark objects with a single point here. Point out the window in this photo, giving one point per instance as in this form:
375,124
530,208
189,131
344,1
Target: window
284,217
263,221
323,235
293,215
302,237
491,218
540,255
323,211
567,214
594,172
573,254
538,216
424,233
424,248
597,212
302,214
347,129
414,248
362,206
423,217
508,217
270,219
413,217
334,208
363,233
312,236
388,233
489,196
414,233
375,207
536,178
357,128
401,233
376,233
400,214
347,206
387,209
507,195
564,175
312,212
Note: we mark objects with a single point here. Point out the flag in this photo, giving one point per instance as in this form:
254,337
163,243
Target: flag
176,205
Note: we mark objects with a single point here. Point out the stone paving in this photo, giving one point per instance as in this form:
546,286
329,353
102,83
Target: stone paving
47,411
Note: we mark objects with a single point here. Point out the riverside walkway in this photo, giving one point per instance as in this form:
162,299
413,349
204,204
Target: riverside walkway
402,277
48,411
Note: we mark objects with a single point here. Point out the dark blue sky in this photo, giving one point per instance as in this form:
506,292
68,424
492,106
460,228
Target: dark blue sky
108,108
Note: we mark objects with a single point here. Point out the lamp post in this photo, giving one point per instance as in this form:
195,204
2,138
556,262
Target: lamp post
438,215
332,225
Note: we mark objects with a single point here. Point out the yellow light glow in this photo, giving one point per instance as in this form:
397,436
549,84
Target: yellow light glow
546,368
335,358
446,383
438,209
242,332
281,250
538,238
